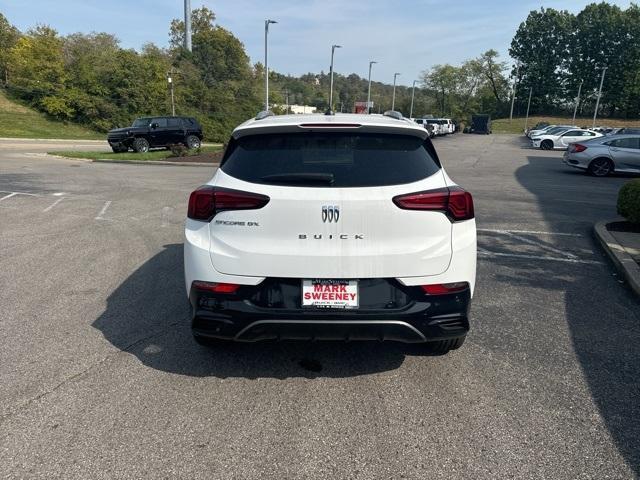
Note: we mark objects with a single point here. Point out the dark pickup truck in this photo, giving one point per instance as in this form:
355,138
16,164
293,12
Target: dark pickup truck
152,132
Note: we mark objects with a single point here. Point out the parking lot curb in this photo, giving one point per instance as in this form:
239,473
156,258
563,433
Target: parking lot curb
619,256
157,162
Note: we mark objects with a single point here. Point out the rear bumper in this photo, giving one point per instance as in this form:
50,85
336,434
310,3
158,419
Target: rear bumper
420,318
575,161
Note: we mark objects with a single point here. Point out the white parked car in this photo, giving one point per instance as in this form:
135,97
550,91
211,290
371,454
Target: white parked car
340,227
435,124
429,127
450,126
542,131
560,140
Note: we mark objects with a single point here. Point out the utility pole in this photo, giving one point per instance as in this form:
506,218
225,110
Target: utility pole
595,114
333,49
413,94
526,121
369,90
170,75
575,110
393,99
513,92
266,64
187,25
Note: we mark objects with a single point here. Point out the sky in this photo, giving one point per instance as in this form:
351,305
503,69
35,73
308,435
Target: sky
405,36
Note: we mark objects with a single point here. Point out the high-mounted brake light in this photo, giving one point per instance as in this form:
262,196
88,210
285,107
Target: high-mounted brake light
577,148
444,288
207,201
454,201
215,287
330,125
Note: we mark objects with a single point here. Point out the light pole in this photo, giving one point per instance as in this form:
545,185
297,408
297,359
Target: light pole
266,64
369,90
595,114
393,99
187,25
513,93
526,120
413,94
575,110
333,49
170,75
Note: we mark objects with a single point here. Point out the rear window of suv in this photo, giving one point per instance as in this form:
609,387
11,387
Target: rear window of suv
349,159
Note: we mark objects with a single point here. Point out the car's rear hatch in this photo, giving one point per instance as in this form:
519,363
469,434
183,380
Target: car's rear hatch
334,215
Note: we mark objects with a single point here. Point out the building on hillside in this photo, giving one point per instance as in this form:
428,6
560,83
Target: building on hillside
297,109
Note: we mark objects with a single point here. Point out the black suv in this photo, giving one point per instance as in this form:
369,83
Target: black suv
150,132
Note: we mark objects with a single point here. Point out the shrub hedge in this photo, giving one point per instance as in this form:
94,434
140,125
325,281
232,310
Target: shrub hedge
629,201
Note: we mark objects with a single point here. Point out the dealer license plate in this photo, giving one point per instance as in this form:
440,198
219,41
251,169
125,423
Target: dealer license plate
324,293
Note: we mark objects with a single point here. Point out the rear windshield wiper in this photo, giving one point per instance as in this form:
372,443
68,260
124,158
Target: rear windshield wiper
326,178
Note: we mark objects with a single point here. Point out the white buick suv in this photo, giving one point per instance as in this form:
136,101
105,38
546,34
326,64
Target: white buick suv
331,227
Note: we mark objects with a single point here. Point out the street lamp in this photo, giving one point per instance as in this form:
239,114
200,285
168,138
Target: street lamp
369,91
333,48
393,100
513,92
170,82
171,74
595,114
575,110
266,64
526,120
413,94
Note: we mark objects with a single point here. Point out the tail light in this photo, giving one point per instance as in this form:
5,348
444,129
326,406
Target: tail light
207,201
445,288
215,287
454,201
577,148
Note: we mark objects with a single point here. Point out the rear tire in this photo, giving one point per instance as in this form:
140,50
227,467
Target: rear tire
600,167
442,347
546,145
192,142
141,145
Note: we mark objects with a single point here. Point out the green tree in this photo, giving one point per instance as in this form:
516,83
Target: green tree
443,80
201,20
37,69
602,37
9,35
541,47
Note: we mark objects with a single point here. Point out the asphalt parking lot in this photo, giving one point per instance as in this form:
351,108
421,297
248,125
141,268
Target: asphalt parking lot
99,376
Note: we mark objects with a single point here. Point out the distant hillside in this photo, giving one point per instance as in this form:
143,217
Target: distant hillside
19,121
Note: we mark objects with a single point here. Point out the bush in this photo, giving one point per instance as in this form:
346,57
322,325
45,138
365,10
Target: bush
629,201
178,150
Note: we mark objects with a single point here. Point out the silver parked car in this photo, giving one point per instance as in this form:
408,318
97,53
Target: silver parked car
604,155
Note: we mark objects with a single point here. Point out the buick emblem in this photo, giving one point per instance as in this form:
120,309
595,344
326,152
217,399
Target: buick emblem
330,214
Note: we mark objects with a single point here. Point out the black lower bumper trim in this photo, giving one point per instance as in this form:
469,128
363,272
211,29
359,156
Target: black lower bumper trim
420,318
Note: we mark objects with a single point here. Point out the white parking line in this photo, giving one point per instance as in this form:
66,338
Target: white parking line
540,245
53,204
528,232
20,193
13,194
103,211
486,253
8,196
